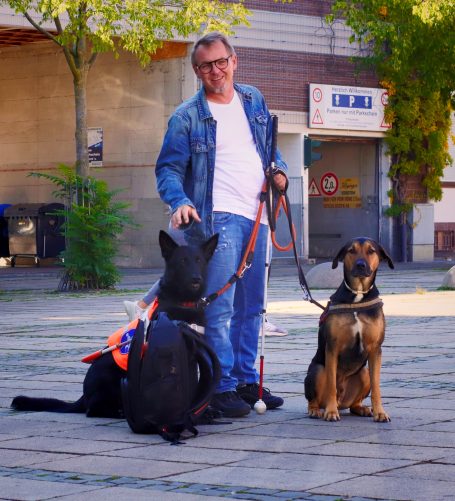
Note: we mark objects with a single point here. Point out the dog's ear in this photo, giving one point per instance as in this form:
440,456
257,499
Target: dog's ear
167,245
208,248
384,256
340,256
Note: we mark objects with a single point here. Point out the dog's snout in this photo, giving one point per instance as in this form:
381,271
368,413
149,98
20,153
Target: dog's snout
360,264
361,268
196,282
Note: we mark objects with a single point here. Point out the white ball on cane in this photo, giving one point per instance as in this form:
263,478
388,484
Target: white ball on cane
260,407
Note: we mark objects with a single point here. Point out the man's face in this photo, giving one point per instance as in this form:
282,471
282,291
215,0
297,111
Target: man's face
216,82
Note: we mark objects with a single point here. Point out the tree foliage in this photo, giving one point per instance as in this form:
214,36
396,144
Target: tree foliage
85,28
412,47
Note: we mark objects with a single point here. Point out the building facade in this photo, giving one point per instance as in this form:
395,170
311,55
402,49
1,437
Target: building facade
287,49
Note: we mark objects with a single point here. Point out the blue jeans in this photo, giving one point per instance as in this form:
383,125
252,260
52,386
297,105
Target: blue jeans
234,318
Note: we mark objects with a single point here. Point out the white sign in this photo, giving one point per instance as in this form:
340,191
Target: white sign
95,146
347,108
329,184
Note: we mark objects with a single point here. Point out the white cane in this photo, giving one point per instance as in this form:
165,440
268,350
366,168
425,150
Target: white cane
260,407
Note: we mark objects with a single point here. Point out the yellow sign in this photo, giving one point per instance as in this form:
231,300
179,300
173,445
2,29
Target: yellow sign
348,195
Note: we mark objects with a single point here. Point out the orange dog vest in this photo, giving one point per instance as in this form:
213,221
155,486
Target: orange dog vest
124,334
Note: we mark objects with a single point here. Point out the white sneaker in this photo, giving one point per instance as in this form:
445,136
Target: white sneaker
273,330
133,310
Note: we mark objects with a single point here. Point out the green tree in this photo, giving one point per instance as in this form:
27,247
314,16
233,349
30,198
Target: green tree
412,47
86,28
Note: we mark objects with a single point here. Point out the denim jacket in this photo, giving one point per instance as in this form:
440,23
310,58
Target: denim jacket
185,166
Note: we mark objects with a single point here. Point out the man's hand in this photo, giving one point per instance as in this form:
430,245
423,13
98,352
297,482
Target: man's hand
280,181
183,216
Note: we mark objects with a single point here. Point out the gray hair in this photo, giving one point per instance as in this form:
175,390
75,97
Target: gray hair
209,39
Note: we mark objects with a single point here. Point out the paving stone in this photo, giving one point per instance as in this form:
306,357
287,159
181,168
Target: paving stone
255,477
119,467
316,462
378,487
280,455
21,489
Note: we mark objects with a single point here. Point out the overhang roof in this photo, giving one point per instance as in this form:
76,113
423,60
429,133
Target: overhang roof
13,36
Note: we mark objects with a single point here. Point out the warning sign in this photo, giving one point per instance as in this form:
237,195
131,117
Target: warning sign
313,190
317,118
329,184
385,125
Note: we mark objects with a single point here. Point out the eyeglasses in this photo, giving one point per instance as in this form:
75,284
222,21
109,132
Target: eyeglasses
221,64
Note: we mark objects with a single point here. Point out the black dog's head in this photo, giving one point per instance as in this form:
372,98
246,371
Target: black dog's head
186,266
361,257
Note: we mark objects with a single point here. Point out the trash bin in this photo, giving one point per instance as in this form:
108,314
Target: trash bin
34,232
4,247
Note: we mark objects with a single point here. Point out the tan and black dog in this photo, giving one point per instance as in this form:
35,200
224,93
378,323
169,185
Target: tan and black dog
351,333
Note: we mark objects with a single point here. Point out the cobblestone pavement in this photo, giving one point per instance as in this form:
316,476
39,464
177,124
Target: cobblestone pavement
279,455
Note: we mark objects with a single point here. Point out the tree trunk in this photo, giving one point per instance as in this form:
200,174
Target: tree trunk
80,97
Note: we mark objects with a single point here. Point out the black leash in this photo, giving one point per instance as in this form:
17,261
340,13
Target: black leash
274,200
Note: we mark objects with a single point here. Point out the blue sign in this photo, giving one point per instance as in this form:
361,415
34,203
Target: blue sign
127,336
351,101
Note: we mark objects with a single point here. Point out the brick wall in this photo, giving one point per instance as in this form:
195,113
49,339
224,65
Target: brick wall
303,7
283,76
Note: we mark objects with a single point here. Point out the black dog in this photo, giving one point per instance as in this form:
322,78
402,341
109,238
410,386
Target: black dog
181,286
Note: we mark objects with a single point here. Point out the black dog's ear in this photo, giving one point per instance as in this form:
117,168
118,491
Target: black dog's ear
340,256
167,245
208,248
385,256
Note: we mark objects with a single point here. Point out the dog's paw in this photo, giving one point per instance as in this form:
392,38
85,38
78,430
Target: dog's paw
315,413
381,417
361,410
331,415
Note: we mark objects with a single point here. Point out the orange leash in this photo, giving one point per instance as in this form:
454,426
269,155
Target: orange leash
247,258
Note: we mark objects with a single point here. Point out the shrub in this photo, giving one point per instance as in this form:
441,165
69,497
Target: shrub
93,222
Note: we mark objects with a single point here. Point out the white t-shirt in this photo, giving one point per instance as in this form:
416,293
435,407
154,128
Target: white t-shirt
238,167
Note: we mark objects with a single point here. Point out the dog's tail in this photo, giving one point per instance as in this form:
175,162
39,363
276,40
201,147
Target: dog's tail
22,403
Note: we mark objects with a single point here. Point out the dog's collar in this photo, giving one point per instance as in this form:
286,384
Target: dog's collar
188,304
358,292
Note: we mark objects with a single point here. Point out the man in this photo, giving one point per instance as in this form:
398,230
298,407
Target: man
210,171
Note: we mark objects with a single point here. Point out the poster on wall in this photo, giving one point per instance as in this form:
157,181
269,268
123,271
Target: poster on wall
95,146
346,195
346,107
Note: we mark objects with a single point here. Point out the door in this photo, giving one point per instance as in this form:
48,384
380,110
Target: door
343,196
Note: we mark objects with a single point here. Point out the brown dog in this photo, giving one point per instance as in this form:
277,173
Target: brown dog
351,333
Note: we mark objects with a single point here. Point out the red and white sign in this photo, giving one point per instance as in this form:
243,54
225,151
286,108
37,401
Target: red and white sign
329,184
317,95
317,118
313,190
